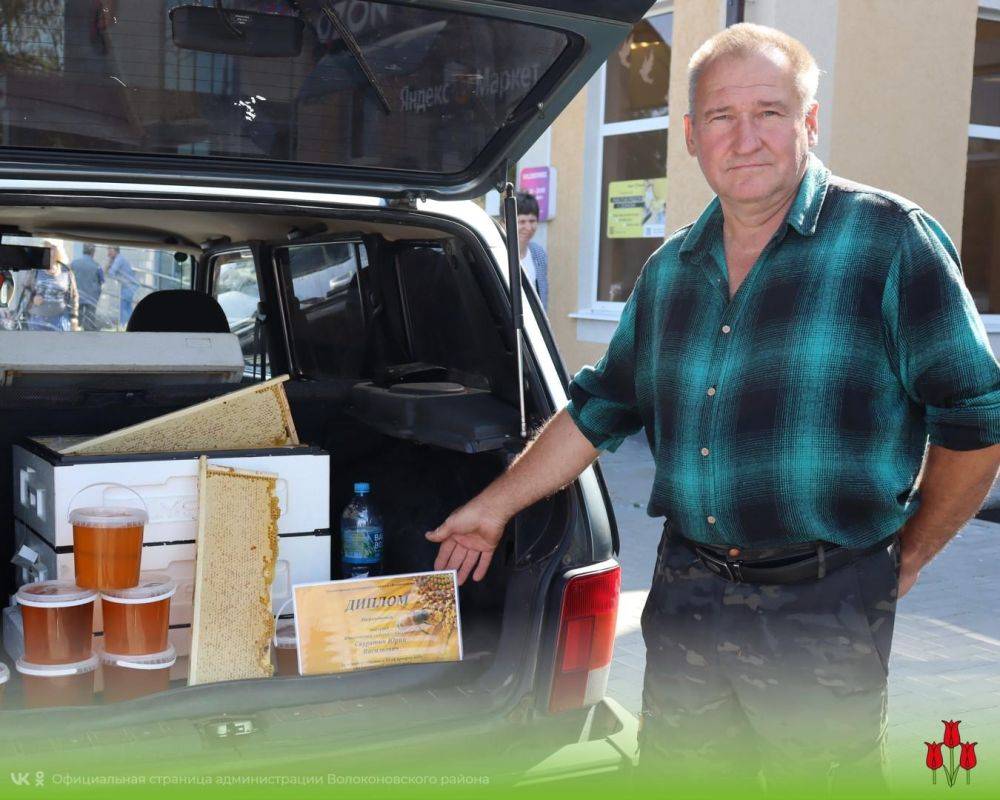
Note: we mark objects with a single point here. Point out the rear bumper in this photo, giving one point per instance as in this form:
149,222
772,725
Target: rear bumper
592,749
608,747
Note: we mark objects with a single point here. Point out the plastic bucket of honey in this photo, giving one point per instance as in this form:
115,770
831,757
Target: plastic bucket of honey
4,677
58,619
128,677
107,542
137,620
52,685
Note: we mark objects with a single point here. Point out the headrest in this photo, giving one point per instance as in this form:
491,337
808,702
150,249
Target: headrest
178,311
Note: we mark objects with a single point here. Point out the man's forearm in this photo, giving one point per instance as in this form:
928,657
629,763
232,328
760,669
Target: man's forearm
557,456
953,485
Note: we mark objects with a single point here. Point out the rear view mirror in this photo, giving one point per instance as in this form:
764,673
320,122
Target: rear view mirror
22,256
236,32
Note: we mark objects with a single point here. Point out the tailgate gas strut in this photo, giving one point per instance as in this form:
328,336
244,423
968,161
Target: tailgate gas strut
517,314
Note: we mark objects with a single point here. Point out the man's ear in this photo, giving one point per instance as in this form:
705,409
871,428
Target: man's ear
689,134
812,123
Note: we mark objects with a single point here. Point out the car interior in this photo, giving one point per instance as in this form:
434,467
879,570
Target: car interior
403,370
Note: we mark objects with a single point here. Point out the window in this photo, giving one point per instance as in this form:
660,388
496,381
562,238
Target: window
107,76
234,284
981,222
632,119
98,285
325,306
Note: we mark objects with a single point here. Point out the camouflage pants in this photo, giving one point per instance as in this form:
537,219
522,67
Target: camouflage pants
787,680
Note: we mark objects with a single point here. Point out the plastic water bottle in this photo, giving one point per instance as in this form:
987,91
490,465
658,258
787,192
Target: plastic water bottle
361,535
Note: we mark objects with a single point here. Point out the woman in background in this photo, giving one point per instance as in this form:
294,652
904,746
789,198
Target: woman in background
50,298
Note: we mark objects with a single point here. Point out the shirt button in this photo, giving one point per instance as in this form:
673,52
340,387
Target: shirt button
704,451
711,391
711,520
726,329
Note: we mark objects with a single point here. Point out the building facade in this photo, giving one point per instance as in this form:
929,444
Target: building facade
909,101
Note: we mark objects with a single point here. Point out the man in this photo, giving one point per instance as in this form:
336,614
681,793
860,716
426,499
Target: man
89,280
534,261
788,355
121,270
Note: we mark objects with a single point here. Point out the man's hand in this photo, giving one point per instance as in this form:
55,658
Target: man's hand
953,485
909,571
468,539
470,535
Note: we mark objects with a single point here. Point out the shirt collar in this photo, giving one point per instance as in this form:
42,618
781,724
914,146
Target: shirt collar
803,214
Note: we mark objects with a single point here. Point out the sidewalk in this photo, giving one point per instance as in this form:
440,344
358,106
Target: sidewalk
945,661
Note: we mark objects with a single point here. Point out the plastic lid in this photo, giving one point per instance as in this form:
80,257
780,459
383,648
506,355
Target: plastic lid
162,660
284,634
54,594
4,673
361,488
152,587
57,670
108,516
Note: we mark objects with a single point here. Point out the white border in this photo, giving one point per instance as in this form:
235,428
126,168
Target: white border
458,617
988,9
594,315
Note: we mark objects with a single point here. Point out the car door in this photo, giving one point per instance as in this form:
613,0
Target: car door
426,98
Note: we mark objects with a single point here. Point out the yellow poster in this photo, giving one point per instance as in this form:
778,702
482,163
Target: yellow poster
637,209
374,622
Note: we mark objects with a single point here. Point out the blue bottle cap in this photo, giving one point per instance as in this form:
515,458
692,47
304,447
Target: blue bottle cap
362,488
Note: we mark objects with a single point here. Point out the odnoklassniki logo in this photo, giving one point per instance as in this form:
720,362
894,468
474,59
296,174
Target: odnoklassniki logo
951,740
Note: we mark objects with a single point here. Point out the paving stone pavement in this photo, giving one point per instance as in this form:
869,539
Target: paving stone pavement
945,661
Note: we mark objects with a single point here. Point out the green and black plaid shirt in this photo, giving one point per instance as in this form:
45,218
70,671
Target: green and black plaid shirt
800,410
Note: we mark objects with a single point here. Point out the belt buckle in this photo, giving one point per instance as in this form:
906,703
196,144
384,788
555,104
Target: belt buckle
732,571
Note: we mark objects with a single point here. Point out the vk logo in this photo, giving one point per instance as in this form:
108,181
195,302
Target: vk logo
24,778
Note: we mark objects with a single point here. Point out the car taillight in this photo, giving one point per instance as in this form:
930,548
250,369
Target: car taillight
586,639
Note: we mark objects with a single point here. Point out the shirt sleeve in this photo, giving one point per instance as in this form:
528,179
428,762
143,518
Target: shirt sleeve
937,339
603,398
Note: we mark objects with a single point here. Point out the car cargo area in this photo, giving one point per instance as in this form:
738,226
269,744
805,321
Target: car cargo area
403,372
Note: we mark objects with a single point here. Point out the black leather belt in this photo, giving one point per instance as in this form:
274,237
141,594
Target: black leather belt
774,566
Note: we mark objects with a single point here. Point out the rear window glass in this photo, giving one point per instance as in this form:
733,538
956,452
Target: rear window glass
108,77
234,284
328,324
90,286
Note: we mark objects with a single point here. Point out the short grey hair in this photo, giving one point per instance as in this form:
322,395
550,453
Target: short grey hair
747,39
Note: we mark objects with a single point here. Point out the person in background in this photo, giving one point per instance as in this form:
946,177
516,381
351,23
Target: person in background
534,261
50,301
89,281
121,270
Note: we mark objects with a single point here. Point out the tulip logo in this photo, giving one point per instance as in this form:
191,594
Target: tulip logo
952,739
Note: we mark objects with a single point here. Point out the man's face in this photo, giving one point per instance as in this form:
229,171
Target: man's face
527,226
748,130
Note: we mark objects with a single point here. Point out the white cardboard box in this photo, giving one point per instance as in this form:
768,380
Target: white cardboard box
46,482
